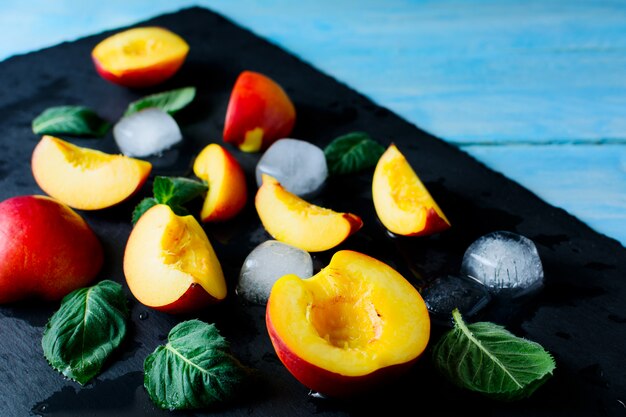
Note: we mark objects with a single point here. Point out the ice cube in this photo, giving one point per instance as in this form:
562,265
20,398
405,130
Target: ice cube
298,165
266,264
446,293
147,132
505,262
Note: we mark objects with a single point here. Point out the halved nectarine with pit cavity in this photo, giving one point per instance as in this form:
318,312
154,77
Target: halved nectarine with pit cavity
259,112
350,328
402,202
228,191
140,57
294,221
170,264
84,178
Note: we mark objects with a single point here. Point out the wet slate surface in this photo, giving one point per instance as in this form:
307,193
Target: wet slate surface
578,316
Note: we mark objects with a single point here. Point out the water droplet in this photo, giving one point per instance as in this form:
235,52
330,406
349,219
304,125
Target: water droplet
143,315
316,395
40,409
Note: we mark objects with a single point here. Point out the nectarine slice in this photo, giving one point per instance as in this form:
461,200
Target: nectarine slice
228,191
292,220
402,202
259,112
170,264
140,57
354,325
85,178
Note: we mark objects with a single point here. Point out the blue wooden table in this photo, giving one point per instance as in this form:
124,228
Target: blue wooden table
534,89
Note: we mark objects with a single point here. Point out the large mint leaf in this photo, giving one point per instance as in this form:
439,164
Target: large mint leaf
486,358
353,152
88,326
195,369
71,121
168,101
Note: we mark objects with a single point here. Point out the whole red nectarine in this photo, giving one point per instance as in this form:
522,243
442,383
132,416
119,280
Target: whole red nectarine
47,249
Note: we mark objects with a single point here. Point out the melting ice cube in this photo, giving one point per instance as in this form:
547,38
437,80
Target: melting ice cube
267,263
505,262
298,165
147,132
449,292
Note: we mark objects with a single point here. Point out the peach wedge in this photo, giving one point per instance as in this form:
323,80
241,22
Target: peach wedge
228,191
291,220
355,325
84,178
402,202
169,263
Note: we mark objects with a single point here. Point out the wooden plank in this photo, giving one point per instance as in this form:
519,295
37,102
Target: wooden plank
588,181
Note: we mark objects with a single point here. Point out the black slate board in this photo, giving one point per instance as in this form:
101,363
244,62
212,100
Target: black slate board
579,316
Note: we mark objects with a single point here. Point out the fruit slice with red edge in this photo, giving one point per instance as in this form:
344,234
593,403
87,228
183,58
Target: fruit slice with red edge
294,221
170,265
402,202
84,178
355,325
259,113
140,57
228,191
47,249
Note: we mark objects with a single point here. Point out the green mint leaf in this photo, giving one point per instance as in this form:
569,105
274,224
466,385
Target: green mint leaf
71,121
168,101
176,191
142,207
486,358
195,369
353,152
89,325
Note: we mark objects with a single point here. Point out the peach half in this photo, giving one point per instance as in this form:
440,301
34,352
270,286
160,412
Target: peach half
292,220
402,202
354,325
259,113
84,178
140,57
228,191
169,263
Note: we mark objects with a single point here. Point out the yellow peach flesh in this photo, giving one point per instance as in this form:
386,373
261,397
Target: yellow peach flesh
210,167
86,178
227,192
139,48
253,140
401,200
354,317
292,220
167,253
